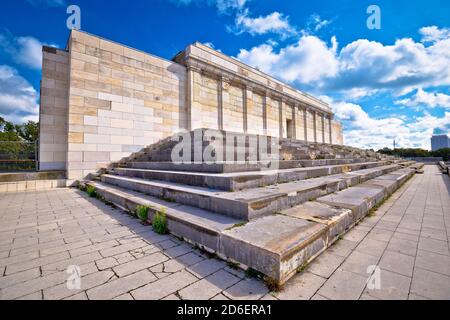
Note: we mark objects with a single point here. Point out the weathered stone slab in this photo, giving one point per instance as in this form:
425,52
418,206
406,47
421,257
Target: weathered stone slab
275,245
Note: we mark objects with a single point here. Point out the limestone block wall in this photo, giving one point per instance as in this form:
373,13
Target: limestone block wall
233,107
120,100
53,109
205,100
319,128
300,124
327,130
255,113
287,115
310,126
273,116
337,135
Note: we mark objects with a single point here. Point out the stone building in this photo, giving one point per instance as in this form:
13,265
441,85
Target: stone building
102,101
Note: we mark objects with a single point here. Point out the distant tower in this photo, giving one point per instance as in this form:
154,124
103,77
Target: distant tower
394,144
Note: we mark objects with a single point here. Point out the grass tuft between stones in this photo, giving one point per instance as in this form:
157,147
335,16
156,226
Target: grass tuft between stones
142,212
159,222
91,191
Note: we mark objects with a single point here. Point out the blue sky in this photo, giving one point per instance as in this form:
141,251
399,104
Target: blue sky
386,84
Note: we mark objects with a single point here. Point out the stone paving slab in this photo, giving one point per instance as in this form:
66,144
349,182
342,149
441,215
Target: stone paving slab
44,232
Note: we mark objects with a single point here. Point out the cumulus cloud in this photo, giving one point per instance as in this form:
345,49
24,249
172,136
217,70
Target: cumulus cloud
316,23
274,22
310,60
362,66
427,99
434,34
363,131
23,50
18,98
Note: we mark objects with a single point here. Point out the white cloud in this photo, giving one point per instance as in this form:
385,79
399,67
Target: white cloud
274,22
212,46
316,23
23,50
18,98
363,67
428,99
434,34
363,131
309,60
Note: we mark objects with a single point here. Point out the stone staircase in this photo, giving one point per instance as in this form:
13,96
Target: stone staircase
272,220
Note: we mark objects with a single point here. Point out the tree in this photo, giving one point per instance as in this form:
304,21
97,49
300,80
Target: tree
8,131
28,131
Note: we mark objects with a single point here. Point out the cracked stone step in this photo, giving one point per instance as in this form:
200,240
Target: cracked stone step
229,167
251,203
278,245
281,245
244,180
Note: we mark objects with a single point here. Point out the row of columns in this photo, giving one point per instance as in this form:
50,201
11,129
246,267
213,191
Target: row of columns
295,106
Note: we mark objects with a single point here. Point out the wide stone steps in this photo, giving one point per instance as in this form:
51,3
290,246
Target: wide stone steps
281,245
278,245
251,203
193,224
244,180
244,166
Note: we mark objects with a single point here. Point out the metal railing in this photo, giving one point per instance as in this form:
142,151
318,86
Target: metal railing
18,156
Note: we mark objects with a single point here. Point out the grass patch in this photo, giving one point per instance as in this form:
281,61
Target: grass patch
272,284
91,191
169,199
159,222
142,212
301,268
237,225
233,265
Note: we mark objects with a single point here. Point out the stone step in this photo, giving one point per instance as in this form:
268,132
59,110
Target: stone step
252,203
194,225
229,167
244,180
281,245
278,245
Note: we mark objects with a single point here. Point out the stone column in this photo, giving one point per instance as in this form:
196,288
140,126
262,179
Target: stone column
323,128
244,107
305,123
330,127
280,118
220,102
294,120
189,97
265,113
315,126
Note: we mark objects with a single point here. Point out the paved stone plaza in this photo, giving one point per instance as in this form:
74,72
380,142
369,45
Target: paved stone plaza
43,233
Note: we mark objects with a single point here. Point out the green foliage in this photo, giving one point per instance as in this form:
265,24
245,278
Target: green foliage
142,212
28,131
17,145
411,152
91,191
9,131
159,222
